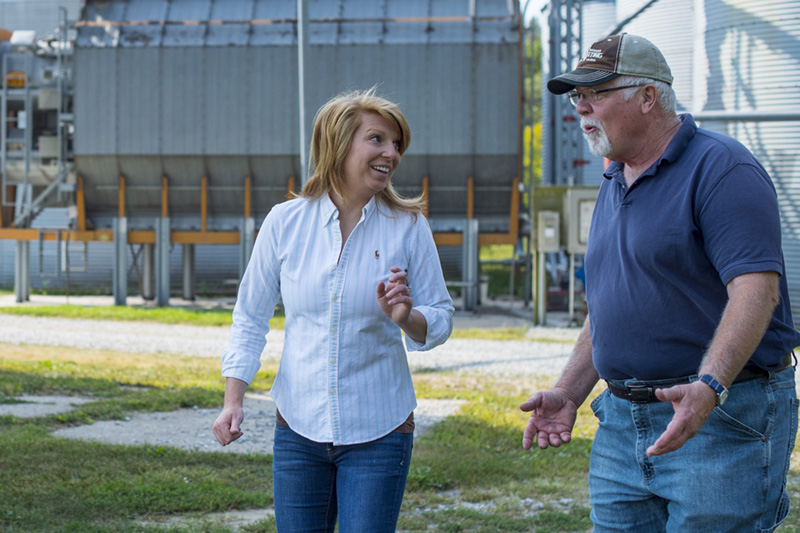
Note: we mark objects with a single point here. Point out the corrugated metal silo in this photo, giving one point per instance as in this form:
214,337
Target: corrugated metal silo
186,89
599,16
748,77
669,24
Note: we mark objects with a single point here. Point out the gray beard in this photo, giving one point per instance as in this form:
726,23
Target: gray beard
598,144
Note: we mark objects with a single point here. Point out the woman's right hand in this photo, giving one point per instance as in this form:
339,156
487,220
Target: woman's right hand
227,426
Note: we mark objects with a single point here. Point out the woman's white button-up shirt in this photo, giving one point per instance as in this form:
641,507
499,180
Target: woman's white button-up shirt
343,376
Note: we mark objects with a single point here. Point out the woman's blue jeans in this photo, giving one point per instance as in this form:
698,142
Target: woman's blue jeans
363,484
731,476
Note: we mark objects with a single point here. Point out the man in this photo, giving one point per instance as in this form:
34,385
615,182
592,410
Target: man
689,319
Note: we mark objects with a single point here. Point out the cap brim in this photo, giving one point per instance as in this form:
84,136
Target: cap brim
580,77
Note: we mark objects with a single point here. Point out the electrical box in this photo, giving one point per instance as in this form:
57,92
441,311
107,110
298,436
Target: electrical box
548,234
578,209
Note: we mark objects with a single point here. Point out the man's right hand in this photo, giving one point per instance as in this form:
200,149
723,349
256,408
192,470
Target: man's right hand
552,418
226,427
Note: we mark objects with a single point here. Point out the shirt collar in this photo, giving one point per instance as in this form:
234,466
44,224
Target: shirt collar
674,150
330,212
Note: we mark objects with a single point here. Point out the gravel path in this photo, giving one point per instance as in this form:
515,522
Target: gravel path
191,428
461,355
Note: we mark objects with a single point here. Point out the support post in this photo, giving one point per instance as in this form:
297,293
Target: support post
571,289
246,241
541,290
22,271
188,272
120,269
162,261
470,264
148,271
303,74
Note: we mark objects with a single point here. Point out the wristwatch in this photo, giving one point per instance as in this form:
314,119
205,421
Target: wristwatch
719,388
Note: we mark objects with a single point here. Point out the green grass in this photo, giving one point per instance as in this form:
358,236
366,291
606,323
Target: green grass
61,485
163,315
53,484
469,473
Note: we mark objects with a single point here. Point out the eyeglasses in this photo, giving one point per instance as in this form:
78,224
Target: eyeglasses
590,96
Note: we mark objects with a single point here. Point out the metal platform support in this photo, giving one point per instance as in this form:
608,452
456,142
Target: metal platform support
56,272
148,287
246,241
188,272
22,272
162,261
469,265
120,269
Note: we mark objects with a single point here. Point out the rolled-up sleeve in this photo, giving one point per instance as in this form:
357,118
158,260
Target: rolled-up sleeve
430,294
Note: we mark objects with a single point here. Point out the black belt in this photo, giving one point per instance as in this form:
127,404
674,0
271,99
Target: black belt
646,392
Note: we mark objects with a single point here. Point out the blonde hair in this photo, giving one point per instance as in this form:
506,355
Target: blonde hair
335,125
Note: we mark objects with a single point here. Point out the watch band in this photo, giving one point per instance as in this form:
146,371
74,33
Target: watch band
720,389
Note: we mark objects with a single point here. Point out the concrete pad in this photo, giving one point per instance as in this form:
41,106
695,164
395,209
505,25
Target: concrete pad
190,429
42,405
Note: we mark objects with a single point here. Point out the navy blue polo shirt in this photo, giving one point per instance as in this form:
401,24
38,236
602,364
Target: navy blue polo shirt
661,253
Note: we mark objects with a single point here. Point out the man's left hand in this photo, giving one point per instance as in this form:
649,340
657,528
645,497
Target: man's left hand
693,404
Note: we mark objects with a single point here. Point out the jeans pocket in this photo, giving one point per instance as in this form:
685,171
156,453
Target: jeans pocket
718,415
597,405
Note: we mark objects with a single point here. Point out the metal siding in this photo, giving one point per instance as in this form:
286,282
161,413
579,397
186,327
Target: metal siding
358,9
599,16
275,9
138,111
449,8
140,10
408,8
332,8
96,101
179,10
495,83
749,59
490,8
104,11
678,52
225,106
41,16
448,71
183,36
273,101
227,112
141,36
228,35
183,92
232,9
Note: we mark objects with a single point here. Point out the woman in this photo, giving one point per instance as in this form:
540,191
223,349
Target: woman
342,257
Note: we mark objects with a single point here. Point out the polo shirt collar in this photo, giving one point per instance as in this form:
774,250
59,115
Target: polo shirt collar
673,152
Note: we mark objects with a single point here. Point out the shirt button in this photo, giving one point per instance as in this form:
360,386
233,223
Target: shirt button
333,267
333,360
333,330
332,391
335,298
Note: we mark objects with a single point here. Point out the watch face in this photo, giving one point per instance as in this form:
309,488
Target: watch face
722,397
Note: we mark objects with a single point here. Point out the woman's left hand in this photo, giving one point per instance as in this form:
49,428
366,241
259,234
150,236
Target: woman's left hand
394,297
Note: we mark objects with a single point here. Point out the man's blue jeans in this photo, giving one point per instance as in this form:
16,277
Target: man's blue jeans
731,476
363,484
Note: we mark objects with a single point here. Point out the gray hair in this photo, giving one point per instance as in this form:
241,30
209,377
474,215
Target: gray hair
666,95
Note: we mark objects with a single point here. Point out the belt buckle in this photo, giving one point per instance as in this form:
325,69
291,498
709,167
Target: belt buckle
640,394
